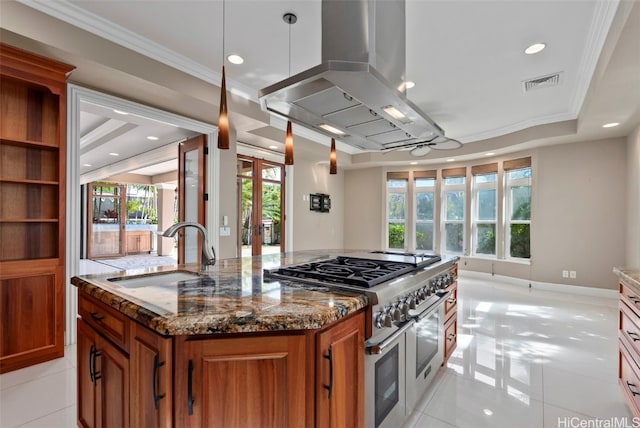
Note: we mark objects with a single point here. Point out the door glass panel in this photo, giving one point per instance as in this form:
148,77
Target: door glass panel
271,224
245,186
106,221
427,334
191,206
245,167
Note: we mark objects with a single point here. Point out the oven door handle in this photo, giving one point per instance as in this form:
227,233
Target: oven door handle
431,308
379,347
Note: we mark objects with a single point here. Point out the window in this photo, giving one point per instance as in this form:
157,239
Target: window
396,210
518,201
485,212
453,208
425,191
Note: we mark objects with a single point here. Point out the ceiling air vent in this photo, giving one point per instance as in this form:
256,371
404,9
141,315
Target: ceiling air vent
542,82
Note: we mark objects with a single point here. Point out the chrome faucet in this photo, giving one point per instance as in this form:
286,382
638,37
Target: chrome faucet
208,253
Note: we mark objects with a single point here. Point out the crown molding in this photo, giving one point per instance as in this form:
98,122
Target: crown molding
603,16
92,23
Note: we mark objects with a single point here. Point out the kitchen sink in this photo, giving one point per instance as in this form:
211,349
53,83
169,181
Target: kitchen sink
160,279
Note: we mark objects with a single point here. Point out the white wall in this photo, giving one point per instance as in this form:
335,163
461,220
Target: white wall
311,229
633,200
578,212
364,208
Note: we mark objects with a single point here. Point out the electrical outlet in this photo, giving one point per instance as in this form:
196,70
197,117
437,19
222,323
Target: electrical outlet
572,274
565,274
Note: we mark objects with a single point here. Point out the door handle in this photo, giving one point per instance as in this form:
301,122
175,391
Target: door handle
190,388
156,365
329,387
91,362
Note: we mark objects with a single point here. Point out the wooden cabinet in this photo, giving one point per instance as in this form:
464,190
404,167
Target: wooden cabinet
450,330
138,241
32,208
240,382
151,379
103,380
129,375
340,381
629,344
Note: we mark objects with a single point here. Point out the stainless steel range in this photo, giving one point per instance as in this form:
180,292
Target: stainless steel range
404,341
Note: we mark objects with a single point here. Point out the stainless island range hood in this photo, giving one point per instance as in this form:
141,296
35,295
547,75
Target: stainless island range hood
357,94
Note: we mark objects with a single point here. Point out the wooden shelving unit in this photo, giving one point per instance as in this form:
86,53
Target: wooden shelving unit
32,207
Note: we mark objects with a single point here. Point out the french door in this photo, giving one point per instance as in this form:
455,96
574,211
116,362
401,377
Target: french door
260,206
191,196
106,222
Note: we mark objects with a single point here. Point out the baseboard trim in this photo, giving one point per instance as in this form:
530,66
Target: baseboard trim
548,286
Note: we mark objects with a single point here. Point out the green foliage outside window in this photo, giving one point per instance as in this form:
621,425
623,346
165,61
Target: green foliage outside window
396,235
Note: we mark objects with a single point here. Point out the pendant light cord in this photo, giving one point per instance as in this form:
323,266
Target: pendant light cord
289,50
223,13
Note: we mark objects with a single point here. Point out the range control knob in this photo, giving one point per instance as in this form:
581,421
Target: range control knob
396,314
411,302
404,308
383,320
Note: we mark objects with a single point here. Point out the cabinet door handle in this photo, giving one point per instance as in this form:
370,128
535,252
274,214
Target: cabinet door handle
190,388
96,375
451,337
96,317
634,336
92,375
156,365
329,387
633,393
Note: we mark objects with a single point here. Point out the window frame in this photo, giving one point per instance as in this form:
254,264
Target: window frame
397,190
476,188
445,188
419,190
509,184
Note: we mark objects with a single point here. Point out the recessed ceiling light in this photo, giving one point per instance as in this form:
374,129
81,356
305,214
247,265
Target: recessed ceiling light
450,160
152,138
331,129
487,412
409,84
413,163
124,113
610,125
86,164
235,59
489,154
114,154
535,48
273,147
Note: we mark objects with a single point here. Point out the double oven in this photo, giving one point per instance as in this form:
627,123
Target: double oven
404,347
400,367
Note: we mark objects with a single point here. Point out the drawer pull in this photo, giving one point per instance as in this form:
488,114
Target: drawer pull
633,299
451,300
633,393
633,336
96,317
451,337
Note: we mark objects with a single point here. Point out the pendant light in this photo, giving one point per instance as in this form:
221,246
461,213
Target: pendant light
223,118
333,161
290,19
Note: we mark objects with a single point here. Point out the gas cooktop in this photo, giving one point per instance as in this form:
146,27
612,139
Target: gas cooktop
360,272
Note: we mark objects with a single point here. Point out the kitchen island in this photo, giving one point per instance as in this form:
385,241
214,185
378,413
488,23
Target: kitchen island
178,347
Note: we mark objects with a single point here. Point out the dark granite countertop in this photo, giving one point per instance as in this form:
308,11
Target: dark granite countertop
232,297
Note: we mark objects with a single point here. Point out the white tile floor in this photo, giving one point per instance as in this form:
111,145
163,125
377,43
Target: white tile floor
525,358
528,358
